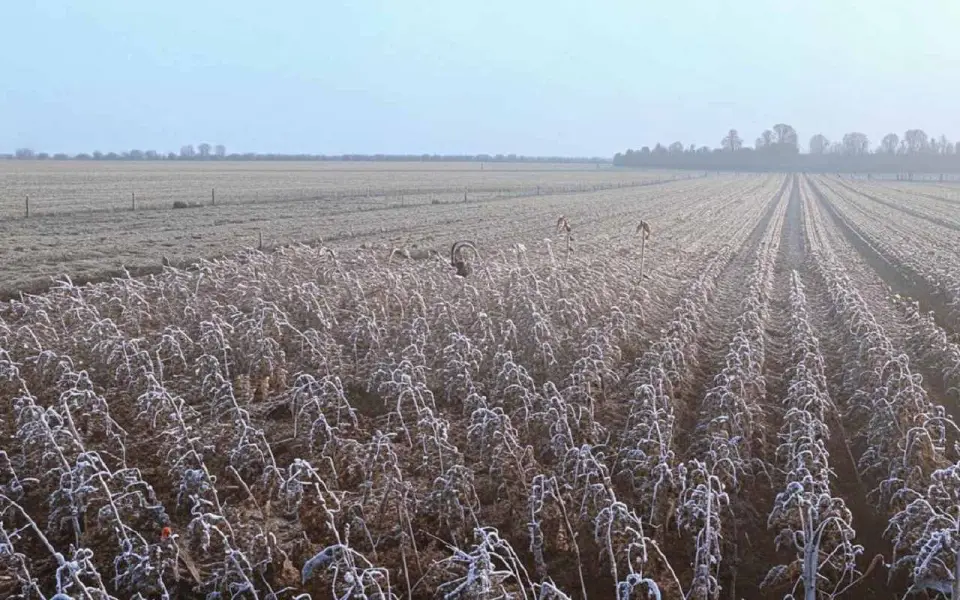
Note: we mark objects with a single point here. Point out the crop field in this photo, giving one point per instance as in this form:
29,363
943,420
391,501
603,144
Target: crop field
82,219
742,386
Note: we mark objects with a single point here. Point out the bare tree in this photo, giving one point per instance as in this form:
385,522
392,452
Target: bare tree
732,142
855,144
819,144
890,143
945,146
675,148
786,137
220,150
204,149
917,141
187,151
767,138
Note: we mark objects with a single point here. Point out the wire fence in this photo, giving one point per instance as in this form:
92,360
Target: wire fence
52,201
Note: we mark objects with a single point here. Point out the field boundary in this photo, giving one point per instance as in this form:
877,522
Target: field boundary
394,198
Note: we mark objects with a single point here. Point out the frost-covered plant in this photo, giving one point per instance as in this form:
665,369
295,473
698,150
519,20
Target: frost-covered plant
312,399
817,527
437,452
15,565
405,388
462,362
547,507
250,453
586,481
453,501
634,584
10,483
930,343
300,482
352,575
77,575
493,443
702,500
490,569
926,535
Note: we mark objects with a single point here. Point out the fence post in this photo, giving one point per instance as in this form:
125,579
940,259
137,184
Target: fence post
133,201
28,206
213,196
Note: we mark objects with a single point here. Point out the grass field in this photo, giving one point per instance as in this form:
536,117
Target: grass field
82,220
769,408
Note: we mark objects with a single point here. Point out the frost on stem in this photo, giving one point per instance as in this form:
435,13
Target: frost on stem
817,527
586,481
638,587
931,344
490,569
462,361
813,523
906,435
619,533
453,501
926,535
301,482
350,574
547,508
312,400
437,452
14,564
702,500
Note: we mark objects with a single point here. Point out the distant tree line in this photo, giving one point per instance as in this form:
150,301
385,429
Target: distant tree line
778,149
219,152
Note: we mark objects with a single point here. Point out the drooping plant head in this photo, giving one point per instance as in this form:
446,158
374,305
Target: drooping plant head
457,259
645,228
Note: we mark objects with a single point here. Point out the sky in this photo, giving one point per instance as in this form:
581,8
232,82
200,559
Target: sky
532,77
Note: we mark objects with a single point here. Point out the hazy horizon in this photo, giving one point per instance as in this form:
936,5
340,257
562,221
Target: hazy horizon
538,78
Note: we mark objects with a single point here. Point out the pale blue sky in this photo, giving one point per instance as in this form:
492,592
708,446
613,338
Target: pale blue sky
543,77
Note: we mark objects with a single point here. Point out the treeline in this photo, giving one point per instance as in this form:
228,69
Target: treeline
219,152
778,149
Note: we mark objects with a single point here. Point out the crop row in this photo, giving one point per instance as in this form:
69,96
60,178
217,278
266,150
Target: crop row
903,439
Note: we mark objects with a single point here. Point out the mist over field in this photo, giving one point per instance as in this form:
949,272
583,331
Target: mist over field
477,301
